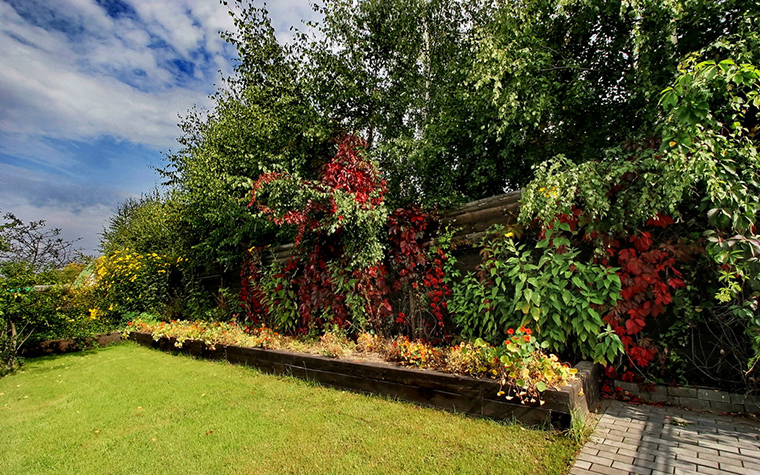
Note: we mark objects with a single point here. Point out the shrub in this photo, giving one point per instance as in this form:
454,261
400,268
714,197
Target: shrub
129,283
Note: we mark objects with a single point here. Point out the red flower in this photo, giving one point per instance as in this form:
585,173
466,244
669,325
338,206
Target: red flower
510,331
528,331
527,338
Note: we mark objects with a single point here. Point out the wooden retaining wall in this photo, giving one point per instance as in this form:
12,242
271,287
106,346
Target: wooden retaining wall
68,345
476,397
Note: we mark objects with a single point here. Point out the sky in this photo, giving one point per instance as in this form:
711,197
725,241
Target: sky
91,92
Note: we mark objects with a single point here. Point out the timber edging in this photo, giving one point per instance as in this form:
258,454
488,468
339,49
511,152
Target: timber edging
456,393
68,345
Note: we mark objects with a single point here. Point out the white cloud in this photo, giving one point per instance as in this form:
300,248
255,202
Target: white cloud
72,74
80,212
115,78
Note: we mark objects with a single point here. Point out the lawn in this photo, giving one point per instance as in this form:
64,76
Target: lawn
129,409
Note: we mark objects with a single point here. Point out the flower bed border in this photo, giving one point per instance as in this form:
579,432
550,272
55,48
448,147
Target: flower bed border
68,345
475,397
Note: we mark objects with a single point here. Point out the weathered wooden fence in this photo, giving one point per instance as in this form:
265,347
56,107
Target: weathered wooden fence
470,222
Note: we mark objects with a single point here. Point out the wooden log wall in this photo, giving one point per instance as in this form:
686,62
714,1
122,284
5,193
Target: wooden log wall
470,221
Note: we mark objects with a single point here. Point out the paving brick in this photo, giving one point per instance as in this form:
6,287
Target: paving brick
725,461
694,403
753,453
675,400
606,470
726,406
637,455
643,439
589,450
733,469
630,468
709,470
666,464
698,461
617,435
682,392
721,447
713,395
596,460
732,458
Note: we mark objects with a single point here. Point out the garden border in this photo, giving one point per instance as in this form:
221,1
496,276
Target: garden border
475,397
68,345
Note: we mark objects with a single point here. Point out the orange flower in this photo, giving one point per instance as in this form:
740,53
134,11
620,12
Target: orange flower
510,331
527,338
528,331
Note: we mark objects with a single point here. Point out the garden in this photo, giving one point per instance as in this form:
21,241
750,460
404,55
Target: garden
310,210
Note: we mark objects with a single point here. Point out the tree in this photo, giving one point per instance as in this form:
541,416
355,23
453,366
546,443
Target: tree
33,246
151,223
29,256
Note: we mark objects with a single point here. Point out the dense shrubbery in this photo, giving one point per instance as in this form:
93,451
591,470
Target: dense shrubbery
37,300
635,141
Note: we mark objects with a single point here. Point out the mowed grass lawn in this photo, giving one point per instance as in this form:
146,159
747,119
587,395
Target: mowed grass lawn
128,409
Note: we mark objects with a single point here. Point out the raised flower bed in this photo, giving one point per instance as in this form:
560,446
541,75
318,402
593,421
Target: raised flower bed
477,397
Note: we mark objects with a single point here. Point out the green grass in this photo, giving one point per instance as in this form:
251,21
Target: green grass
127,409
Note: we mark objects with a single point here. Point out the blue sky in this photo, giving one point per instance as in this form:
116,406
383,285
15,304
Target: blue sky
90,96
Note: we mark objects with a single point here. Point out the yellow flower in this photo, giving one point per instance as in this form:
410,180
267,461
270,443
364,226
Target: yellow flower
672,143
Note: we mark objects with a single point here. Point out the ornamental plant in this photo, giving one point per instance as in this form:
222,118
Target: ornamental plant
548,286
416,353
131,283
697,175
418,274
211,333
520,363
336,276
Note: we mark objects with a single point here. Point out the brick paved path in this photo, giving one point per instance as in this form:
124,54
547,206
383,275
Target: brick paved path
652,440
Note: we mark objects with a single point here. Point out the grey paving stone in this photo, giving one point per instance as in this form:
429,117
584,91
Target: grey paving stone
713,395
667,464
606,470
698,461
753,469
590,449
630,468
596,460
645,439
636,454
726,406
722,447
753,453
682,392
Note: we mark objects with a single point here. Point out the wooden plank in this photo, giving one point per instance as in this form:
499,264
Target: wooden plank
503,213
490,202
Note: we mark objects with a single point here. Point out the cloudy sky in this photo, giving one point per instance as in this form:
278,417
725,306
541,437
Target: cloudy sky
90,96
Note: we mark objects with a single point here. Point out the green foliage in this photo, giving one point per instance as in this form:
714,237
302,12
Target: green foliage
130,283
34,308
261,122
550,287
152,223
701,168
